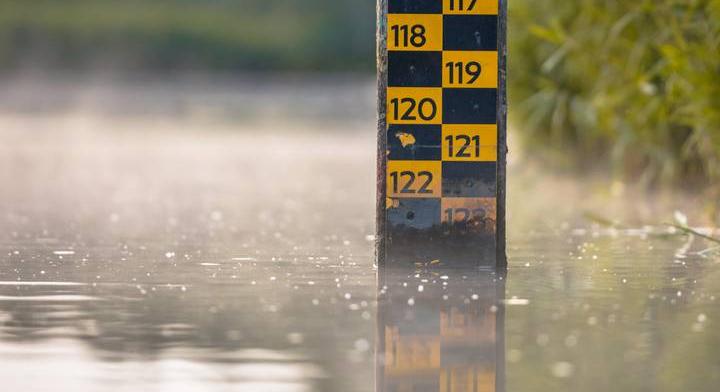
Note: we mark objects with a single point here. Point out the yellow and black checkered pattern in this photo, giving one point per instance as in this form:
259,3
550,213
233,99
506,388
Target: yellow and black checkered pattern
442,101
447,340
435,356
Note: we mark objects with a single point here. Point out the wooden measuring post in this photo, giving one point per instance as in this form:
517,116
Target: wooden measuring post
441,132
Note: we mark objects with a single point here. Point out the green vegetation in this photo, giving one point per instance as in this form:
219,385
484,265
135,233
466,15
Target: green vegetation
188,34
630,85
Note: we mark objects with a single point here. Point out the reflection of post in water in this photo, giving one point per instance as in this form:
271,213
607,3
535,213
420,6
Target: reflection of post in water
440,331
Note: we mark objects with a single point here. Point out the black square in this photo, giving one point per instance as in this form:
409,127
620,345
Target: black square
470,32
469,179
414,69
414,142
415,6
469,106
417,214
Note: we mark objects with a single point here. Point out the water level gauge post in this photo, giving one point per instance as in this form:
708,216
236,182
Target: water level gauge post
442,132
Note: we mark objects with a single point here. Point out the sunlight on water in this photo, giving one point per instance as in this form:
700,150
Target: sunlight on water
172,370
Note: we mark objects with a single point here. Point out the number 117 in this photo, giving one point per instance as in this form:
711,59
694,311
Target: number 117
461,5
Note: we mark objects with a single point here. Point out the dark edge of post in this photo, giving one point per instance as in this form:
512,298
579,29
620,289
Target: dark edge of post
380,222
500,382
502,111
500,371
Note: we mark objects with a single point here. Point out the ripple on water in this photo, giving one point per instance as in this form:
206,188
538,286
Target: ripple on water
49,298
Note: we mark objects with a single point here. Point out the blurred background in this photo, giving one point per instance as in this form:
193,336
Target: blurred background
187,195
627,88
175,35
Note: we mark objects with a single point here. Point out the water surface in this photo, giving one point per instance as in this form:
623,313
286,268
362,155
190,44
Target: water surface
166,250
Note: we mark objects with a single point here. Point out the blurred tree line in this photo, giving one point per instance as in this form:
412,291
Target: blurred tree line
188,34
632,86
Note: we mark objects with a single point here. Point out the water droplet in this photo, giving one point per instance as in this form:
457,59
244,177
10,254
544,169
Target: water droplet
362,345
295,338
563,369
64,252
515,301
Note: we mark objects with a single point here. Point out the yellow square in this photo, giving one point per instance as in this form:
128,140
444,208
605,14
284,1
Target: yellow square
478,213
415,32
414,105
469,143
467,379
470,7
468,69
414,179
407,354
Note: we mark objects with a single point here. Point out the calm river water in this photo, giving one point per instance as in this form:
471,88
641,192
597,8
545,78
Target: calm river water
207,236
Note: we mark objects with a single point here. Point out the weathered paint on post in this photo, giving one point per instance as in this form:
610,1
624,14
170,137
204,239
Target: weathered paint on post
442,139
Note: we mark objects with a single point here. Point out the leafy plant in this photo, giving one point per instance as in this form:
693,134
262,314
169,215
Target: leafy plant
633,86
